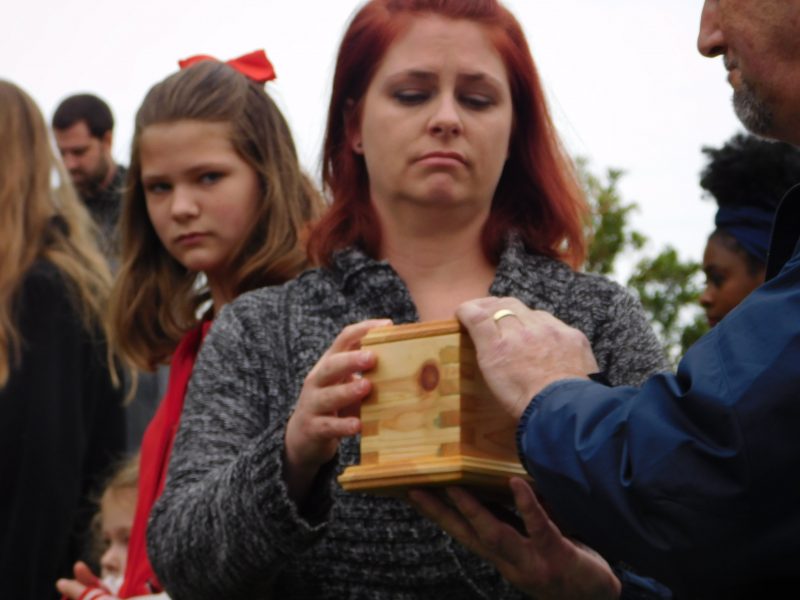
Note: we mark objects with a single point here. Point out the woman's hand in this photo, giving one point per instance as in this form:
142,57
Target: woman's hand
326,409
542,563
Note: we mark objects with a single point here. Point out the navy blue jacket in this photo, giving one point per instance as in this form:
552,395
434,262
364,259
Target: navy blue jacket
693,478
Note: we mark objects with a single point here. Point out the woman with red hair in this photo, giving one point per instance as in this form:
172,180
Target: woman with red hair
447,183
537,195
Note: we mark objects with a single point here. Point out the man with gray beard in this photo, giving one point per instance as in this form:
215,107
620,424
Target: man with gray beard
751,110
691,478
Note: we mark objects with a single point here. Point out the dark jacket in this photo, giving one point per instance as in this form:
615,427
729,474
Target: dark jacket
105,206
694,478
61,426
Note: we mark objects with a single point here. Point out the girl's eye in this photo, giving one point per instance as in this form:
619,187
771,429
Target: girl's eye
714,279
157,188
411,97
210,177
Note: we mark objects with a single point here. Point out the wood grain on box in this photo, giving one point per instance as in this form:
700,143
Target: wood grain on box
429,419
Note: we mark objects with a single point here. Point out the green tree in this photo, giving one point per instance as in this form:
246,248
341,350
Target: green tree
668,290
607,227
667,286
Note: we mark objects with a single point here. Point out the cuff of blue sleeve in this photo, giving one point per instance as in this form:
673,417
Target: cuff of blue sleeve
636,587
541,398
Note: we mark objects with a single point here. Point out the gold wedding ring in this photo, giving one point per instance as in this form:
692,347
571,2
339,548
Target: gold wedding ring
502,314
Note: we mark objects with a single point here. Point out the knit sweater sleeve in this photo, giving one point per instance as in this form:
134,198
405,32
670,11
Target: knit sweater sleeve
225,525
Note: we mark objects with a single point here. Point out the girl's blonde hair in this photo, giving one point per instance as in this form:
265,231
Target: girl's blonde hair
156,299
40,222
125,477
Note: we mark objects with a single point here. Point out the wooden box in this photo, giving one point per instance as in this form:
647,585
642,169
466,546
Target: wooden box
429,419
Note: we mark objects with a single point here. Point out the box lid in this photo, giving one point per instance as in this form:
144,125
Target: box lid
393,333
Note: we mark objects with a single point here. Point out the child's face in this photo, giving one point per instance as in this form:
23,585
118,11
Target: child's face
117,508
202,197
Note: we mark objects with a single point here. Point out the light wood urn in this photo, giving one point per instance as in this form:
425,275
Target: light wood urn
429,419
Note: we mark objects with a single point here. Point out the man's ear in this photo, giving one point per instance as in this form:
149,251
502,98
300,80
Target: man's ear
107,139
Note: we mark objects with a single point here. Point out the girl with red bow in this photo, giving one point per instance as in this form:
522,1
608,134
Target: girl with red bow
216,205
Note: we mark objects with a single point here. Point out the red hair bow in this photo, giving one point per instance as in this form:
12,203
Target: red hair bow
255,66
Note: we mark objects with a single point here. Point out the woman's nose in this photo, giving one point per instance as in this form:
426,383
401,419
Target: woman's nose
446,120
706,297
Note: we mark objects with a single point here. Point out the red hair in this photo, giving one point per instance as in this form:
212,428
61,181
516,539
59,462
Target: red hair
538,195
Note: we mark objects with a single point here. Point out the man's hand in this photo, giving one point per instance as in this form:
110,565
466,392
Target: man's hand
542,563
520,351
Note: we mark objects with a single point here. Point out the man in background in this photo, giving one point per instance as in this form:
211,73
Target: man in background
83,127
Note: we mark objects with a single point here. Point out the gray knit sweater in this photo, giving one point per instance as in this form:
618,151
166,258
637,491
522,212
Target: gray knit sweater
225,527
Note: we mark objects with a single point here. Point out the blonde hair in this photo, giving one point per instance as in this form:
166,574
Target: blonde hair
156,299
38,222
125,477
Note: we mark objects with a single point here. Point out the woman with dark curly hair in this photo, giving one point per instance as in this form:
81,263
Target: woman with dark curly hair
747,177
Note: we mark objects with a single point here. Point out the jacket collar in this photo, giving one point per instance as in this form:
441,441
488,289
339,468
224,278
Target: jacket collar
785,232
537,280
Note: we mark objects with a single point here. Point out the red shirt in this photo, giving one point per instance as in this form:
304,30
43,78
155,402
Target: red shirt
155,453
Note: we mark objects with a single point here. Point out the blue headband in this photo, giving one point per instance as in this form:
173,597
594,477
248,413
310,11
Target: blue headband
750,226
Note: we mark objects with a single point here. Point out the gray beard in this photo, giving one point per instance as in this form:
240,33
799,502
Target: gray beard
752,111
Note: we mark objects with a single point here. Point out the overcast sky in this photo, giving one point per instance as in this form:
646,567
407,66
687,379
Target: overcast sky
626,85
